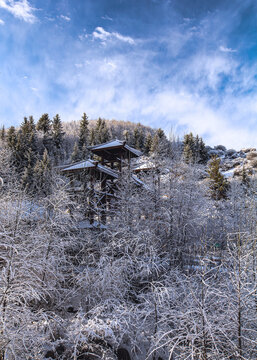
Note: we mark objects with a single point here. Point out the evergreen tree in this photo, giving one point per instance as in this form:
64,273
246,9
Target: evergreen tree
43,175
84,152
148,144
188,154
57,132
92,137
203,154
57,136
194,149
75,154
32,135
101,132
27,180
83,136
138,141
11,138
160,144
218,184
160,133
26,145
2,134
155,144
28,134
189,148
44,124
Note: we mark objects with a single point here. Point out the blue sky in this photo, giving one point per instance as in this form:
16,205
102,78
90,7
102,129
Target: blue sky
177,64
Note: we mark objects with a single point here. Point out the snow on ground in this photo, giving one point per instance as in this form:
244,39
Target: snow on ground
228,174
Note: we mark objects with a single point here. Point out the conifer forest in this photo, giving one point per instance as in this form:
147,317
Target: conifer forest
149,254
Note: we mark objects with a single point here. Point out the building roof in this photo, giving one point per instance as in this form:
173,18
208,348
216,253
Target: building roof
90,164
146,166
113,149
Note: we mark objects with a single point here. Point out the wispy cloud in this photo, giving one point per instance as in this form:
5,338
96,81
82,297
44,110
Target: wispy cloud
104,35
106,17
2,22
64,17
226,49
20,9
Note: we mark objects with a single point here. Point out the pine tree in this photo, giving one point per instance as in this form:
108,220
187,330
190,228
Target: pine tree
189,148
28,134
155,144
57,133
26,145
203,154
11,138
160,133
32,141
75,154
159,143
92,137
83,136
57,136
44,124
2,134
218,184
148,144
188,154
84,152
101,132
194,149
43,175
27,180
138,141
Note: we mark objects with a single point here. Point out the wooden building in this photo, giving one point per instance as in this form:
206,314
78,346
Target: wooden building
99,177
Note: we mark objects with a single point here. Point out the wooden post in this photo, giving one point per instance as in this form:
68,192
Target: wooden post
103,202
90,200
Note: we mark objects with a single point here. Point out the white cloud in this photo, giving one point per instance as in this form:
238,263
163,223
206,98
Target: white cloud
207,69
106,17
104,35
20,9
2,22
66,18
82,37
226,49
49,18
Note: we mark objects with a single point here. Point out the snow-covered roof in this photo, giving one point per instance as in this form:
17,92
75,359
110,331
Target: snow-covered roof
115,144
108,171
145,166
91,164
81,165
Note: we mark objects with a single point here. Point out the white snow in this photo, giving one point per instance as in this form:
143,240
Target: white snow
115,143
228,174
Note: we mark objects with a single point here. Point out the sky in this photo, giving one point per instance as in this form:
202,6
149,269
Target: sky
182,65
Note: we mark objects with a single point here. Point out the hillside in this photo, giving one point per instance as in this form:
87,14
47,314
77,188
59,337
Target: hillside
130,257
